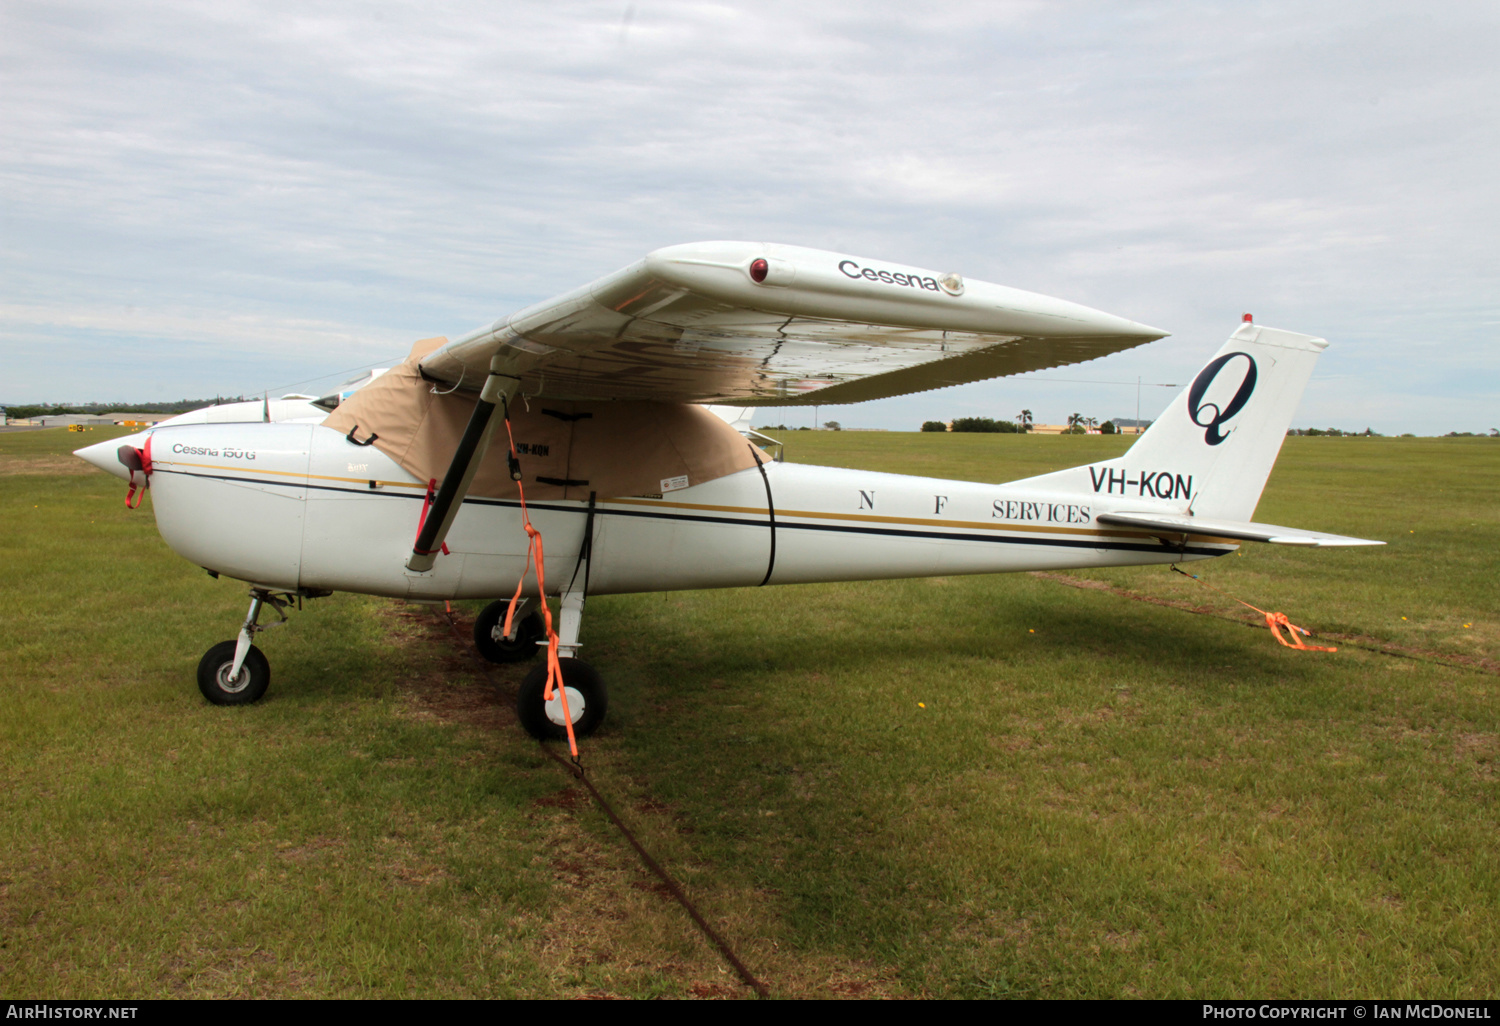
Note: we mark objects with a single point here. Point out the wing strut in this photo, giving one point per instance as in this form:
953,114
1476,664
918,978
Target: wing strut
498,389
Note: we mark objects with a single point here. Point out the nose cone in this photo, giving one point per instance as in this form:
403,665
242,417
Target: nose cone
106,455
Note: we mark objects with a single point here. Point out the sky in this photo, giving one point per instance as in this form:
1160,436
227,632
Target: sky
242,197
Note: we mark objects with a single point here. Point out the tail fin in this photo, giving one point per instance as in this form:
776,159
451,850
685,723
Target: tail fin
1212,450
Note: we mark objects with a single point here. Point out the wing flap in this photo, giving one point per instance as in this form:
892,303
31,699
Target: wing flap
1178,524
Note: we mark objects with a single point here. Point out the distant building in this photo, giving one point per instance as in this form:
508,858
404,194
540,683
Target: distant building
124,419
69,419
132,419
1057,429
1062,429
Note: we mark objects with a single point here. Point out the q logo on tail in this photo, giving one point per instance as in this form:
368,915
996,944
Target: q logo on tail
1197,408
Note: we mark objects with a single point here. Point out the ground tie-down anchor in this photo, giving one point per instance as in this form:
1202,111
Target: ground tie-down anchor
1275,621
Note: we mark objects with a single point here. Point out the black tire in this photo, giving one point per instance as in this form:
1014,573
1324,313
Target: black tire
491,642
586,685
213,675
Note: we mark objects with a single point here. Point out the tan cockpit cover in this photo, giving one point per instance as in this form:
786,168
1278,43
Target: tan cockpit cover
609,448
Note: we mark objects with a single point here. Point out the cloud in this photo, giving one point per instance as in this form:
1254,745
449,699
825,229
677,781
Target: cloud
346,176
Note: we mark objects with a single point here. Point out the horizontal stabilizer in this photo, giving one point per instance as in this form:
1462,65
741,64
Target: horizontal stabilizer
1174,523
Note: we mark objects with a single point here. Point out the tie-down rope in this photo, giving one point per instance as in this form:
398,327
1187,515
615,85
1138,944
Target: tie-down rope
576,769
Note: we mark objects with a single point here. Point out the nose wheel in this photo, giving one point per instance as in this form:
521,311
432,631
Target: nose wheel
236,672
222,686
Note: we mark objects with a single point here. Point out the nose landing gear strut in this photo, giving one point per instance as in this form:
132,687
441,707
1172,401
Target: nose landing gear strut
236,672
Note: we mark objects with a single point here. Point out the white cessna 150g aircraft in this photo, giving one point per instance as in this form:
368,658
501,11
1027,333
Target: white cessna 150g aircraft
600,400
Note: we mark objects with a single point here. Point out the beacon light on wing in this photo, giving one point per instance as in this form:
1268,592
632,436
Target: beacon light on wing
692,324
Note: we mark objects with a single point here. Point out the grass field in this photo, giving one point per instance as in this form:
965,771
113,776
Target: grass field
1112,785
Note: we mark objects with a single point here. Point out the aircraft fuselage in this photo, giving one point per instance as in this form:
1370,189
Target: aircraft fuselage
298,506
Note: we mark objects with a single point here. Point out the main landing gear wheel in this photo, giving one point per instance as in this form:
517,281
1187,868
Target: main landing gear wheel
221,689
587,701
489,634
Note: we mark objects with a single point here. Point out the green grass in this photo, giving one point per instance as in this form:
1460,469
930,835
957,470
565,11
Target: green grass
1103,796
327,842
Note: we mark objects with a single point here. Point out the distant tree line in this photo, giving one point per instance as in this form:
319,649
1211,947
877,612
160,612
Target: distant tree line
1333,433
984,425
1367,433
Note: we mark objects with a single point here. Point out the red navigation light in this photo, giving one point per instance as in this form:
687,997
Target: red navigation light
758,270
1248,319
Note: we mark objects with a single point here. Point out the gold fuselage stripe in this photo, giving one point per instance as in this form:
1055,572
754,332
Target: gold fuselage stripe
972,525
977,525
292,473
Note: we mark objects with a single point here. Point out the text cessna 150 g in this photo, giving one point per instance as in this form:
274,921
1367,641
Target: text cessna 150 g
600,399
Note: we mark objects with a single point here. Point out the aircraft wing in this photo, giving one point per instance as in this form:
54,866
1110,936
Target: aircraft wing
768,325
1177,524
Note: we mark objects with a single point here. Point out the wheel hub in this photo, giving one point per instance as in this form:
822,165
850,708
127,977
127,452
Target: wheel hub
234,685
555,709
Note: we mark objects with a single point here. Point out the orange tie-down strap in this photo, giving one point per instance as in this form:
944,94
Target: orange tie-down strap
1275,621
535,559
